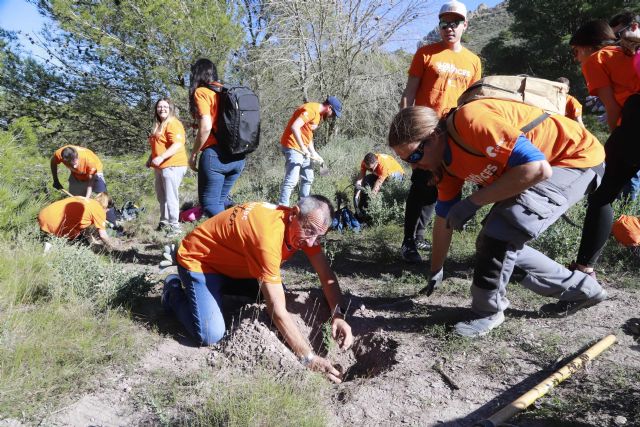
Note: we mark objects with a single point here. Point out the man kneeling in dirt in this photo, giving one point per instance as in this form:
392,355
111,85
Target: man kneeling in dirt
532,167
242,248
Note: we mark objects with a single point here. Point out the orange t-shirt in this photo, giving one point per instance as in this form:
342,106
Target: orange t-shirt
444,75
245,241
88,162
206,102
68,217
173,133
386,166
610,66
491,127
310,114
573,109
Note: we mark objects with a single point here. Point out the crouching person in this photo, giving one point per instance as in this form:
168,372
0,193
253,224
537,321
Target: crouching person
531,173
243,247
72,216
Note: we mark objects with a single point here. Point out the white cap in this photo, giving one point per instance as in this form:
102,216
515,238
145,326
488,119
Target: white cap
454,6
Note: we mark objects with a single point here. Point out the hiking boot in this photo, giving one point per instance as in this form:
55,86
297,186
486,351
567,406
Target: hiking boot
574,266
171,282
409,252
479,326
423,245
566,308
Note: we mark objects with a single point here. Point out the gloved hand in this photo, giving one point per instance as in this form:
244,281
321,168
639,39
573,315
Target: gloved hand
460,213
169,256
57,185
434,283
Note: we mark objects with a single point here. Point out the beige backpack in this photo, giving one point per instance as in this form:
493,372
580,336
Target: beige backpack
546,94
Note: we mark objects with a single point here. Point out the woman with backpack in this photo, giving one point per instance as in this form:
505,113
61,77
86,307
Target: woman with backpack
217,170
608,69
168,158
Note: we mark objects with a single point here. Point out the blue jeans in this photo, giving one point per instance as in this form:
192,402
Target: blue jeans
296,168
198,304
631,189
216,175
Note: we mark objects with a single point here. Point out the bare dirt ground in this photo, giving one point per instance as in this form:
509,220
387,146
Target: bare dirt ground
406,367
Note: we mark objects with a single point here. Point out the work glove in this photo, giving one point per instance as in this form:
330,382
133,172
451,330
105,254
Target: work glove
460,213
169,256
434,283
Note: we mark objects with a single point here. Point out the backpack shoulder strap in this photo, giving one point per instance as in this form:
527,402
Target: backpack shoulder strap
457,139
535,122
217,87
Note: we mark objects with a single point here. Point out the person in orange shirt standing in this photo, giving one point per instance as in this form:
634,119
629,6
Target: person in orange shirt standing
168,158
610,73
438,75
531,177
217,170
86,170
70,217
240,251
298,148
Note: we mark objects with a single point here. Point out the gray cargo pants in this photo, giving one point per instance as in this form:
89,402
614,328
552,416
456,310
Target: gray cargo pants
500,246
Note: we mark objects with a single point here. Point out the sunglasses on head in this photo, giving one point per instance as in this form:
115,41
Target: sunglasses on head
443,25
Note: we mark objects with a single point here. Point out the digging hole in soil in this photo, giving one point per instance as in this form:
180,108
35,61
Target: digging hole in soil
373,354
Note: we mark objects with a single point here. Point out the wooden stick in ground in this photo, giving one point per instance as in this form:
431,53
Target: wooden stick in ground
545,386
66,192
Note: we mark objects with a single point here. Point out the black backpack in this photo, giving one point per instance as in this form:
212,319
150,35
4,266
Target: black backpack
238,119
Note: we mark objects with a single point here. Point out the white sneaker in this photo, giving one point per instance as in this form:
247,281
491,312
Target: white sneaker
480,326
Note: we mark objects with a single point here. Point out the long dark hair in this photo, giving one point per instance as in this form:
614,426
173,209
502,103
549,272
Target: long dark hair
595,34
203,72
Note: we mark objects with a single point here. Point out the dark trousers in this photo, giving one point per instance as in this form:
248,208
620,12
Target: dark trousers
622,163
420,204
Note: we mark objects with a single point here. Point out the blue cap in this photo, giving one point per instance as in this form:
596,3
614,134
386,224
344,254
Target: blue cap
336,105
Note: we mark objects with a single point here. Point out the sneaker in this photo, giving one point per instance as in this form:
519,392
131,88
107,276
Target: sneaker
423,245
574,266
161,226
409,252
171,282
566,308
480,326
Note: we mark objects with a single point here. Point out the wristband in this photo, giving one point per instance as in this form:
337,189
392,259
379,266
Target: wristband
306,360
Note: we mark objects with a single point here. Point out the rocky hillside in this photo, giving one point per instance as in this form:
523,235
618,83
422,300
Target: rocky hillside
486,23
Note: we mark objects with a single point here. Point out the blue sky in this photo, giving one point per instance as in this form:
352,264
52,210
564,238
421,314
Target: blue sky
19,15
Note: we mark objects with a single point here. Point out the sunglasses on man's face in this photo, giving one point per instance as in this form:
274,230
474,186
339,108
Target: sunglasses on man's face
443,25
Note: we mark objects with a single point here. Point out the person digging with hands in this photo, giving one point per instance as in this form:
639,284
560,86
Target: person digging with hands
240,251
532,167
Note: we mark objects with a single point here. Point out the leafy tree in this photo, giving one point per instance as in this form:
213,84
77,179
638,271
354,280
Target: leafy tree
536,43
115,58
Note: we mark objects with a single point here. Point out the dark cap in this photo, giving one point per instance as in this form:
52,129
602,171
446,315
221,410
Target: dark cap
336,105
